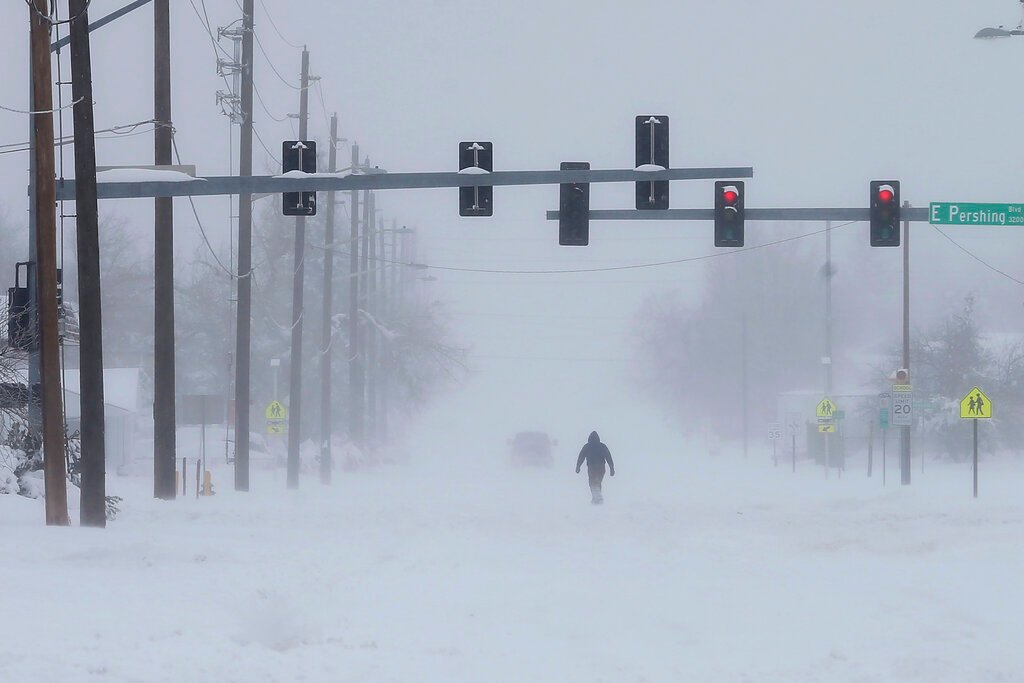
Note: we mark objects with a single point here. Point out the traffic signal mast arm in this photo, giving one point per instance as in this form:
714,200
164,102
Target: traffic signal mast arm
323,182
918,214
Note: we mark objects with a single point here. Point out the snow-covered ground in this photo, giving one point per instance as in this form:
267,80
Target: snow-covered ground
457,568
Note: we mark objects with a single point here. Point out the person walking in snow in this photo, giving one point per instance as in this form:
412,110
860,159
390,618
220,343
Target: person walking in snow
596,454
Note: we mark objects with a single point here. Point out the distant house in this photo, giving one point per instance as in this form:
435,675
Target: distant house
122,410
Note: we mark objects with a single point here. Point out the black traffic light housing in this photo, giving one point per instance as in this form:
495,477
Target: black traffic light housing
885,213
652,150
574,208
476,200
298,155
729,213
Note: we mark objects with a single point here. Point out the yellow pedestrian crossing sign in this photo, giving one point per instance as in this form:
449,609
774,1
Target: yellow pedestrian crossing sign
276,411
827,409
976,406
827,427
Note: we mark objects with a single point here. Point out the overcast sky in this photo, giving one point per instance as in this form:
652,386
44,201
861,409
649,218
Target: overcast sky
819,97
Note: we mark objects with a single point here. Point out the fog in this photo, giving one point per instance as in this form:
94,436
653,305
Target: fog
818,99
680,355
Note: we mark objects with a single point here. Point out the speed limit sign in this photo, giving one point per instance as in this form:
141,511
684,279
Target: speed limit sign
902,405
774,431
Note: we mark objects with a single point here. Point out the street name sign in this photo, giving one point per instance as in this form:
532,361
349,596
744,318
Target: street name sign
964,213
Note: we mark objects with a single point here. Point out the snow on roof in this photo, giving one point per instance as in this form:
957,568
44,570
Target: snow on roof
143,175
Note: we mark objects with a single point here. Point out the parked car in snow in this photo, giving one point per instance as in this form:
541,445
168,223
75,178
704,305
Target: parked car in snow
531,449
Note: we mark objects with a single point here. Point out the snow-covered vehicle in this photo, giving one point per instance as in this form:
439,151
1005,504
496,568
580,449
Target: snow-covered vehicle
531,449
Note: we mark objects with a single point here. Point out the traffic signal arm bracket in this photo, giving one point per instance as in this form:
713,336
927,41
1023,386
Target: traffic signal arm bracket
913,214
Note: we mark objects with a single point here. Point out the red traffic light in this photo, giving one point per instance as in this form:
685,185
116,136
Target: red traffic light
885,194
730,196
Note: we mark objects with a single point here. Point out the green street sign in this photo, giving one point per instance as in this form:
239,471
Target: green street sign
883,418
963,213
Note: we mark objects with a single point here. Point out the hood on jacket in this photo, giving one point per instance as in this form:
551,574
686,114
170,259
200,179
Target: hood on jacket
594,438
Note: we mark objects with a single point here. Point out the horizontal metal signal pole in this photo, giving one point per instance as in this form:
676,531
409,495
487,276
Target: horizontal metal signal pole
793,214
99,23
322,182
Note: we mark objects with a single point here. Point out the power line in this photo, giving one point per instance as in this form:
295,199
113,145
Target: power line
323,105
129,131
51,18
263,105
264,145
274,25
977,258
270,63
633,266
202,231
46,111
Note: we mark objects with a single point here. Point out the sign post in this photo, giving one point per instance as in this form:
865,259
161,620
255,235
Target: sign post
884,404
975,406
774,434
826,412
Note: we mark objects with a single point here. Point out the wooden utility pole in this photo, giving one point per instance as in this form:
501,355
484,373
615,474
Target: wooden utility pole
370,306
905,431
163,314
243,327
298,282
327,334
355,363
55,474
383,301
93,501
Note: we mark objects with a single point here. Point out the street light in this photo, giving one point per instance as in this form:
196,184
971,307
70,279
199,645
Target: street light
1001,31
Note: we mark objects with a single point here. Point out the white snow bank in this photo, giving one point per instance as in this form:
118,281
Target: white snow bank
143,175
458,568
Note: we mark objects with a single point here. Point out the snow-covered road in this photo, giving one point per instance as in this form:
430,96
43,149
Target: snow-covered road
694,570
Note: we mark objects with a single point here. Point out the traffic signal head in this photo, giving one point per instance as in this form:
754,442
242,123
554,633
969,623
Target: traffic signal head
729,213
476,158
574,208
885,213
298,155
652,151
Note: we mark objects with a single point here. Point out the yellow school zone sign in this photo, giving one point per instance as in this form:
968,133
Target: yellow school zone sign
276,411
826,409
976,406
827,428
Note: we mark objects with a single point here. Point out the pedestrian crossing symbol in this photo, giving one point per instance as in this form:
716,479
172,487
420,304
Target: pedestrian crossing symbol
826,409
827,427
277,427
976,406
276,411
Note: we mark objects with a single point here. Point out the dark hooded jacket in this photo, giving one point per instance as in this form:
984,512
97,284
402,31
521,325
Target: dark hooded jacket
595,453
